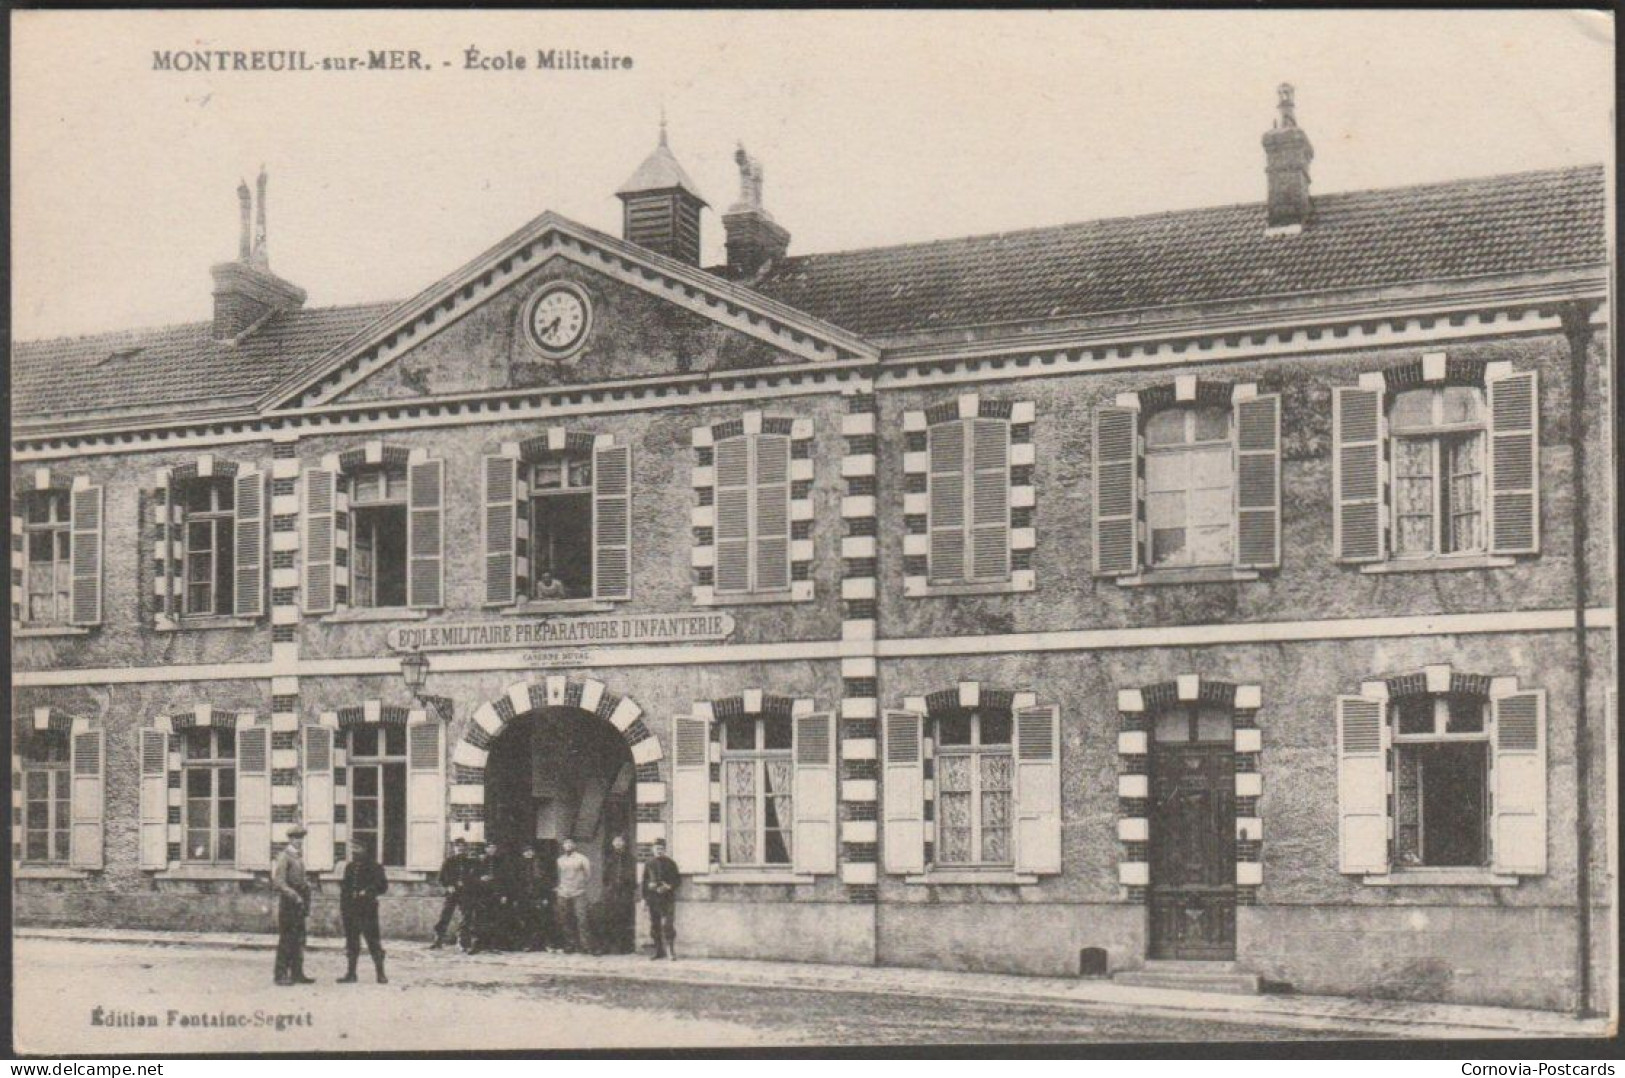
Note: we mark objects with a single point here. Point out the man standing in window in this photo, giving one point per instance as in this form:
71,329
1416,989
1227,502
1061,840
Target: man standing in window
359,888
660,895
574,869
293,904
550,587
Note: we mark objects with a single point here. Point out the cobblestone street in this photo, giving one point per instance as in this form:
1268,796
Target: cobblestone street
447,1000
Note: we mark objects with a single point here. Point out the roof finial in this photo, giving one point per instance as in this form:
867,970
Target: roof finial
1288,117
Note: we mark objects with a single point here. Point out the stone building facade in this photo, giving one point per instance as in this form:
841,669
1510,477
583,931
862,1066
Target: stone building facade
1222,594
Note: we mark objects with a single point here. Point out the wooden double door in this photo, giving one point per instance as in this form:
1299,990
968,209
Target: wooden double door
1192,891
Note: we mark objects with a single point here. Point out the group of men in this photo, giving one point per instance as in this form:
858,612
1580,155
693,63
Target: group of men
523,902
507,903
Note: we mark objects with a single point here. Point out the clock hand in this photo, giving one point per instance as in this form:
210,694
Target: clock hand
550,327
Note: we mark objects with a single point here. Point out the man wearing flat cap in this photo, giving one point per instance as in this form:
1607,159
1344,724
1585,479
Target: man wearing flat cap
293,905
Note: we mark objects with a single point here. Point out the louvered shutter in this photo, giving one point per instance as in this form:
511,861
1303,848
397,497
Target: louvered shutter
18,554
87,801
86,555
1038,790
1362,785
990,500
425,796
248,535
733,515
169,530
1514,464
321,497
814,800
318,798
612,523
903,792
770,514
425,534
154,799
501,514
1117,491
946,480
1258,482
1518,795
1357,447
254,798
691,795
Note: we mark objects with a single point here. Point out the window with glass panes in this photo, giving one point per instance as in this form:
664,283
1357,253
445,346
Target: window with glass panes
377,780
47,539
1438,469
1189,479
1441,780
975,788
209,780
46,792
758,820
378,542
561,527
210,518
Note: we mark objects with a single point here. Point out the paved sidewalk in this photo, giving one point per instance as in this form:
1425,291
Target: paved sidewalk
1385,1018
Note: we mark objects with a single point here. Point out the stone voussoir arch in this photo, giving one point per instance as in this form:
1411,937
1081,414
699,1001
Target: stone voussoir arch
588,697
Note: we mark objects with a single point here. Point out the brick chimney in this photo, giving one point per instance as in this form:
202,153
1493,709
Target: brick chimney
1287,154
246,292
661,206
754,239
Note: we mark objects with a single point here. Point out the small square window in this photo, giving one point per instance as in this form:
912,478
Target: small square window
995,727
1212,424
1464,715
1416,715
776,732
739,733
954,729
394,740
364,740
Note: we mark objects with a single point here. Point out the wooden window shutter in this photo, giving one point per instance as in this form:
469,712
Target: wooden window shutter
1258,482
17,563
990,500
169,532
249,538
1117,491
903,792
1038,790
154,799
612,523
946,562
318,798
770,515
1358,534
425,534
691,795
815,800
733,515
254,797
1514,464
1362,785
87,799
321,499
501,514
425,796
1518,790
86,555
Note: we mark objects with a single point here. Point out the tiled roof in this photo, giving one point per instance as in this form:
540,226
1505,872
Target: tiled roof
1526,222
660,172
1504,224
177,368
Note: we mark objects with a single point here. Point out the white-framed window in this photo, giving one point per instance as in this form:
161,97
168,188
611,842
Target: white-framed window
377,776
1438,467
207,548
47,799
561,514
378,518
1441,780
48,556
209,786
975,782
758,811
752,514
1190,487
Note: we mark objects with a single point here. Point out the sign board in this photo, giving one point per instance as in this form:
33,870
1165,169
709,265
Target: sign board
613,630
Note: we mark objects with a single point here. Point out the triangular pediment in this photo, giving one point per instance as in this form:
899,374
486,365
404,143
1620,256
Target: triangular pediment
649,317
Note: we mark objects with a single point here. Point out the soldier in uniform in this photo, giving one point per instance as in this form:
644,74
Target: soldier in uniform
293,905
620,897
482,915
660,881
454,876
363,881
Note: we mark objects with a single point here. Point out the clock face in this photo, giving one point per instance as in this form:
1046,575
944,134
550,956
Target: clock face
559,319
